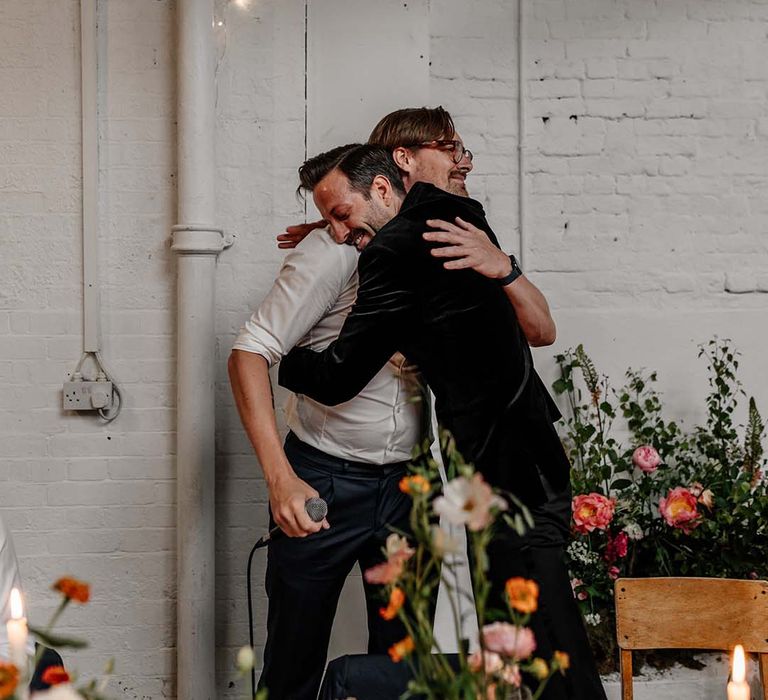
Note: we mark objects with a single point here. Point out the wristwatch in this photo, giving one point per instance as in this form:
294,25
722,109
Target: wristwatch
513,275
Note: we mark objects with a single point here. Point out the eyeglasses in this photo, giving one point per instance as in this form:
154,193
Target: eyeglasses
455,148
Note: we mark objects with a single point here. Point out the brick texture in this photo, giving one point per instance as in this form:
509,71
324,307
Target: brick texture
647,168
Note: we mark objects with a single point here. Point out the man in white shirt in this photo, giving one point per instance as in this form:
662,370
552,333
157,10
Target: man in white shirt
352,455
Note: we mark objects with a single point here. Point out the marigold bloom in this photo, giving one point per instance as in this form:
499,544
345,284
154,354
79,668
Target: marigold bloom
539,668
414,485
679,510
72,589
563,661
9,679
592,511
523,594
396,600
53,675
399,650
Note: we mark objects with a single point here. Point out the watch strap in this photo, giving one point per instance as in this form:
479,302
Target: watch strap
513,275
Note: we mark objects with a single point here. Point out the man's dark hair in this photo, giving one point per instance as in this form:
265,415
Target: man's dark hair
316,168
414,125
360,163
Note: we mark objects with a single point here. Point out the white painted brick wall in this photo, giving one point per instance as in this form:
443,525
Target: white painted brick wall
647,174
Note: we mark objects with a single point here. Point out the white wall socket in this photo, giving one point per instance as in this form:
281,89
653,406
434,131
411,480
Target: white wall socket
86,396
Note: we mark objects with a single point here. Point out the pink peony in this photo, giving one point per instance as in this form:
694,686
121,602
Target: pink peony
679,510
508,640
616,547
646,459
592,512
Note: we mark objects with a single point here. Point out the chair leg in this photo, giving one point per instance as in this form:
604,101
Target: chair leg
763,658
626,675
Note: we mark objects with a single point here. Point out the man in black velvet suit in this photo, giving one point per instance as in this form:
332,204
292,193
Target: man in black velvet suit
461,331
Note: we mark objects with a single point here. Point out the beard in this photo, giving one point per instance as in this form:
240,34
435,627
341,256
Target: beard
456,186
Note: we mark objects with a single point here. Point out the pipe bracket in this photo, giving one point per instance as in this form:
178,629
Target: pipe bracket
197,239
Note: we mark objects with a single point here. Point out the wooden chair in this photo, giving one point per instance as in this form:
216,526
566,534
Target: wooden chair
690,613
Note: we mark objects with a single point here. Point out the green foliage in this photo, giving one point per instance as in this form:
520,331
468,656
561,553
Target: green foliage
722,471
429,564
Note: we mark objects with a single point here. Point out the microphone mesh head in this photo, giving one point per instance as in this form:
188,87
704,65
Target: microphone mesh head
316,508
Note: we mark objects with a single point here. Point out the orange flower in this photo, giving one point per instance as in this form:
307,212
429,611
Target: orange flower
9,679
414,485
539,668
562,661
679,510
53,675
523,594
399,650
72,589
592,511
396,600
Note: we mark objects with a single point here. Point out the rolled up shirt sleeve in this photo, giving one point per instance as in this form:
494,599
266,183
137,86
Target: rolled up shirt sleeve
312,277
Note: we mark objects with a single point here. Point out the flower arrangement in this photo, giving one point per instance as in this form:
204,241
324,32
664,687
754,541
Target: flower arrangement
659,501
13,680
414,569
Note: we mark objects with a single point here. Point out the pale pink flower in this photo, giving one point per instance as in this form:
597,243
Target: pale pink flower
511,675
508,640
398,552
493,662
646,459
679,510
696,488
443,543
469,502
397,547
592,512
707,498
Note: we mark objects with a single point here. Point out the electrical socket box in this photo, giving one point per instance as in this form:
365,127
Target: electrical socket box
86,396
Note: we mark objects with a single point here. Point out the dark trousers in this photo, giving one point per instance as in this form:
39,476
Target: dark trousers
557,624
305,575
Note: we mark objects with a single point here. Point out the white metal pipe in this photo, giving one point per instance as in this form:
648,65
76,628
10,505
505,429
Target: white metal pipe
197,242
521,135
90,169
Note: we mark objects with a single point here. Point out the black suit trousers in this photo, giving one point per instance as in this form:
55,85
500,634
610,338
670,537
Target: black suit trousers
557,624
305,575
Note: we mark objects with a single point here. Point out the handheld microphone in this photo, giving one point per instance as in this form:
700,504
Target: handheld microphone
316,509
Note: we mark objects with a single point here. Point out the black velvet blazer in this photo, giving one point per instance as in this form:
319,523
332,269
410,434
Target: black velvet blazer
461,331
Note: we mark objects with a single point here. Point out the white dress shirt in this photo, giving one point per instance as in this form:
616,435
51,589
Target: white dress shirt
307,306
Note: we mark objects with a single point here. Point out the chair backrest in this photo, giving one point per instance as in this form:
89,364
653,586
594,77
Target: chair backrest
690,613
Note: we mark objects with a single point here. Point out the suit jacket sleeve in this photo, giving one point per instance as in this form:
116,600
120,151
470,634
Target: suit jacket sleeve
369,337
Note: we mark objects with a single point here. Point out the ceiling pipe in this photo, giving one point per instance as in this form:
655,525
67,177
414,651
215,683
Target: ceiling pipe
197,243
521,135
